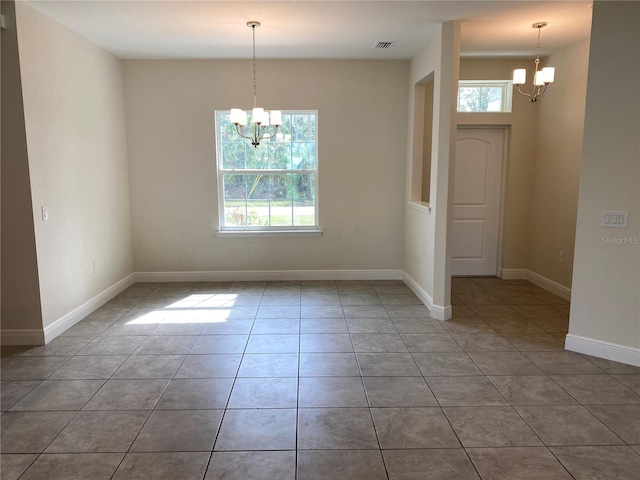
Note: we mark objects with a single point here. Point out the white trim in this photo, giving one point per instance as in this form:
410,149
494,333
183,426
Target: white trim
21,337
264,275
269,233
536,279
436,311
67,321
600,349
423,207
513,273
550,285
441,312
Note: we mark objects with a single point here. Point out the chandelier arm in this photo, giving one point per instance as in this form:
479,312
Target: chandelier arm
540,90
522,93
265,136
241,132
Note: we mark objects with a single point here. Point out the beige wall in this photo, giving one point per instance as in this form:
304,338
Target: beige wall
605,306
522,125
557,170
76,142
20,288
362,115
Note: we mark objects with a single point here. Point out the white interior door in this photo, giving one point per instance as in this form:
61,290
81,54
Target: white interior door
476,201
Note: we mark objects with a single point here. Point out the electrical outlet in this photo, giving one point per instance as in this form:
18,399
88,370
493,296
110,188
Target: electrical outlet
45,213
254,249
561,257
94,265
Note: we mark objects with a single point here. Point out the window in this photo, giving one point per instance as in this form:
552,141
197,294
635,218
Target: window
484,95
272,187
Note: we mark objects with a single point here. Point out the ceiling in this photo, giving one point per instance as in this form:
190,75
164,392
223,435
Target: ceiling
316,29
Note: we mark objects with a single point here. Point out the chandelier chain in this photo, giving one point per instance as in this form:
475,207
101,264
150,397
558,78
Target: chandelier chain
255,88
538,46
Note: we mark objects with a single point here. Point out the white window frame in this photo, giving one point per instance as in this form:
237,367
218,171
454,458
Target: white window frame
505,85
258,230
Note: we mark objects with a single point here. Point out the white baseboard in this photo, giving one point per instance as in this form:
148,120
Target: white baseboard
513,273
265,275
21,337
70,319
536,279
437,311
550,285
598,348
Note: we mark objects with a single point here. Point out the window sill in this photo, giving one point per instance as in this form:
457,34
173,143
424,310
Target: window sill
269,233
423,207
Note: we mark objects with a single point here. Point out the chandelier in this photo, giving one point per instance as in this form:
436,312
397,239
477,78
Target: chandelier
541,78
263,125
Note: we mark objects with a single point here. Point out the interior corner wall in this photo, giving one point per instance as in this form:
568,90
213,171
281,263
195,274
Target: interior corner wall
20,286
362,121
76,142
605,305
427,243
557,167
520,168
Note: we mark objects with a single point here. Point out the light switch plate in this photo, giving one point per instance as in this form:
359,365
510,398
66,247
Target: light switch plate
614,219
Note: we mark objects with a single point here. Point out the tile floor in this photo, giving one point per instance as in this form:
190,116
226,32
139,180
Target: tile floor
318,380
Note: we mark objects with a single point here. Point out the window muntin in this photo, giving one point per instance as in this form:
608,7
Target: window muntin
484,95
274,186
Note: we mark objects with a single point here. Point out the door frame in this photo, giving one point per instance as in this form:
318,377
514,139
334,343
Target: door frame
506,129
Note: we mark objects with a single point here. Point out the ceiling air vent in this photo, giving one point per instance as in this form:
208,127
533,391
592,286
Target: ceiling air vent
384,44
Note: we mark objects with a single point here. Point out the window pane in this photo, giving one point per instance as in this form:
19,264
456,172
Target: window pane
304,128
235,193
284,130
235,187
281,213
228,132
257,158
258,200
304,214
235,215
258,213
493,97
233,155
279,191
303,156
304,209
468,99
280,155
257,187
